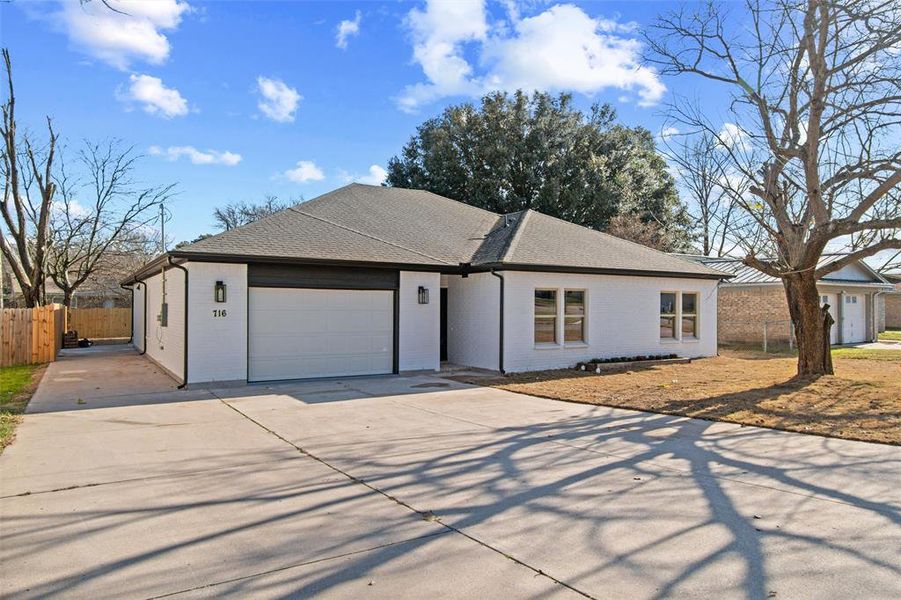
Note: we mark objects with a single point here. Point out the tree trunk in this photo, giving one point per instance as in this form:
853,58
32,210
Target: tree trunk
804,308
31,296
67,298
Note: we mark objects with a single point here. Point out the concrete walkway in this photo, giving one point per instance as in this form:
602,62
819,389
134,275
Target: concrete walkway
119,485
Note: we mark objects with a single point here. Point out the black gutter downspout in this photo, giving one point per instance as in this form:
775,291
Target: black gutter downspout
144,288
500,342
131,322
185,351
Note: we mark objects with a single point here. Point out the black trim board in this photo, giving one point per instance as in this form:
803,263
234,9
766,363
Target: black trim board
321,277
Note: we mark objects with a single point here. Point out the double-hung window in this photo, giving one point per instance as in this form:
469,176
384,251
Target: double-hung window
667,315
679,315
560,316
573,316
689,315
545,316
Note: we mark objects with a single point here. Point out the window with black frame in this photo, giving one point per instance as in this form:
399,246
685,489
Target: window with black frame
545,316
574,316
667,315
689,315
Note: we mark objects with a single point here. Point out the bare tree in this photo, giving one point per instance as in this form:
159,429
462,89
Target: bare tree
101,210
28,190
816,105
630,226
237,214
704,175
890,263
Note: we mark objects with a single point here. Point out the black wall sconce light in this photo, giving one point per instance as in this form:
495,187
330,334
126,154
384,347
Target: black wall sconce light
220,292
423,295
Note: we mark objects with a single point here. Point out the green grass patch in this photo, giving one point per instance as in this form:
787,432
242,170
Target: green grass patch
891,334
867,354
16,385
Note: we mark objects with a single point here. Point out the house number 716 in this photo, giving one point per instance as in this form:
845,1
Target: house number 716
219,312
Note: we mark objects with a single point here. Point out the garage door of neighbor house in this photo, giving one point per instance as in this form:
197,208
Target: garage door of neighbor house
855,319
306,332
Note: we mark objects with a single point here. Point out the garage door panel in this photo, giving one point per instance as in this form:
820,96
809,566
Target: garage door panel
358,320
299,333
854,319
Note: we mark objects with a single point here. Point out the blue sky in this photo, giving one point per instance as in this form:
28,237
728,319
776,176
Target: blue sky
233,100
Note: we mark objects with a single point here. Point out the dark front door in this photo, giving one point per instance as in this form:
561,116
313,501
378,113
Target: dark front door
443,324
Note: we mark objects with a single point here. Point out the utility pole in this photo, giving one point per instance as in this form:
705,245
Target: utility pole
162,227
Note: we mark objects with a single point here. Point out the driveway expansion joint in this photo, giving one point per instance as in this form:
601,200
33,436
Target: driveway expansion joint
426,515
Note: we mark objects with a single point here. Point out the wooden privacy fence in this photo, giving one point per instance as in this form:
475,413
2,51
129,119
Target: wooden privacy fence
100,322
31,335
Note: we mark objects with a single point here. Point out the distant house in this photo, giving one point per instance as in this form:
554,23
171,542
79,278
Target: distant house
100,291
753,303
889,304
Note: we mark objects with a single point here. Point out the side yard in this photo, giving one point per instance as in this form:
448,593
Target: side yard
861,402
890,335
17,384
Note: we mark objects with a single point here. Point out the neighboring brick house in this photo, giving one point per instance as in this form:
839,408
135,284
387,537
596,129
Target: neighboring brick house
753,305
889,304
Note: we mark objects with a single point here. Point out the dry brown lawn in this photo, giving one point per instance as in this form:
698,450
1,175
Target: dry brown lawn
862,401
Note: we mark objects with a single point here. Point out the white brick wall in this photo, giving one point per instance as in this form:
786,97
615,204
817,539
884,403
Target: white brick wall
165,345
217,344
622,318
420,324
137,316
472,320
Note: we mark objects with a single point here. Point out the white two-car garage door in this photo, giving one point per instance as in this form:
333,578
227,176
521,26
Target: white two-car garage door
300,333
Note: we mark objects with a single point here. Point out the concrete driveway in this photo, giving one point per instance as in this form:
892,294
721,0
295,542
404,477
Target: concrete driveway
119,485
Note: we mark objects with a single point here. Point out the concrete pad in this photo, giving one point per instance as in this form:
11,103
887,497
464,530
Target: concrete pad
99,372
192,530
417,487
59,450
447,566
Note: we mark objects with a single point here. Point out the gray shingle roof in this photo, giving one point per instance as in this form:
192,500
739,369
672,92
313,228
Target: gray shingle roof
540,239
373,224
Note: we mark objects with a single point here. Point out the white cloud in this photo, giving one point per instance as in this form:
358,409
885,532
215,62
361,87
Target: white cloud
136,32
565,49
279,101
197,157
438,34
306,170
734,137
347,29
155,98
376,176
562,48
76,210
668,132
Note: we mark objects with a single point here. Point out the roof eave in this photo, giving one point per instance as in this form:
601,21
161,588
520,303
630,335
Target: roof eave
593,270
250,258
160,262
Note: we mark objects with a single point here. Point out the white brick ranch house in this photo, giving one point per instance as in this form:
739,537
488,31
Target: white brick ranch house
368,280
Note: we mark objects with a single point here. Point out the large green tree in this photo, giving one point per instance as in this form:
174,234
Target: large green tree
516,151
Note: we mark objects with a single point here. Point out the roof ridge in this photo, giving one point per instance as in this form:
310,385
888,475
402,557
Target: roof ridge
369,235
445,198
514,239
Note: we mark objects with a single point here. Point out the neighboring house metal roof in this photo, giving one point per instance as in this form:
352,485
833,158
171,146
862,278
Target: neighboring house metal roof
372,224
743,274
